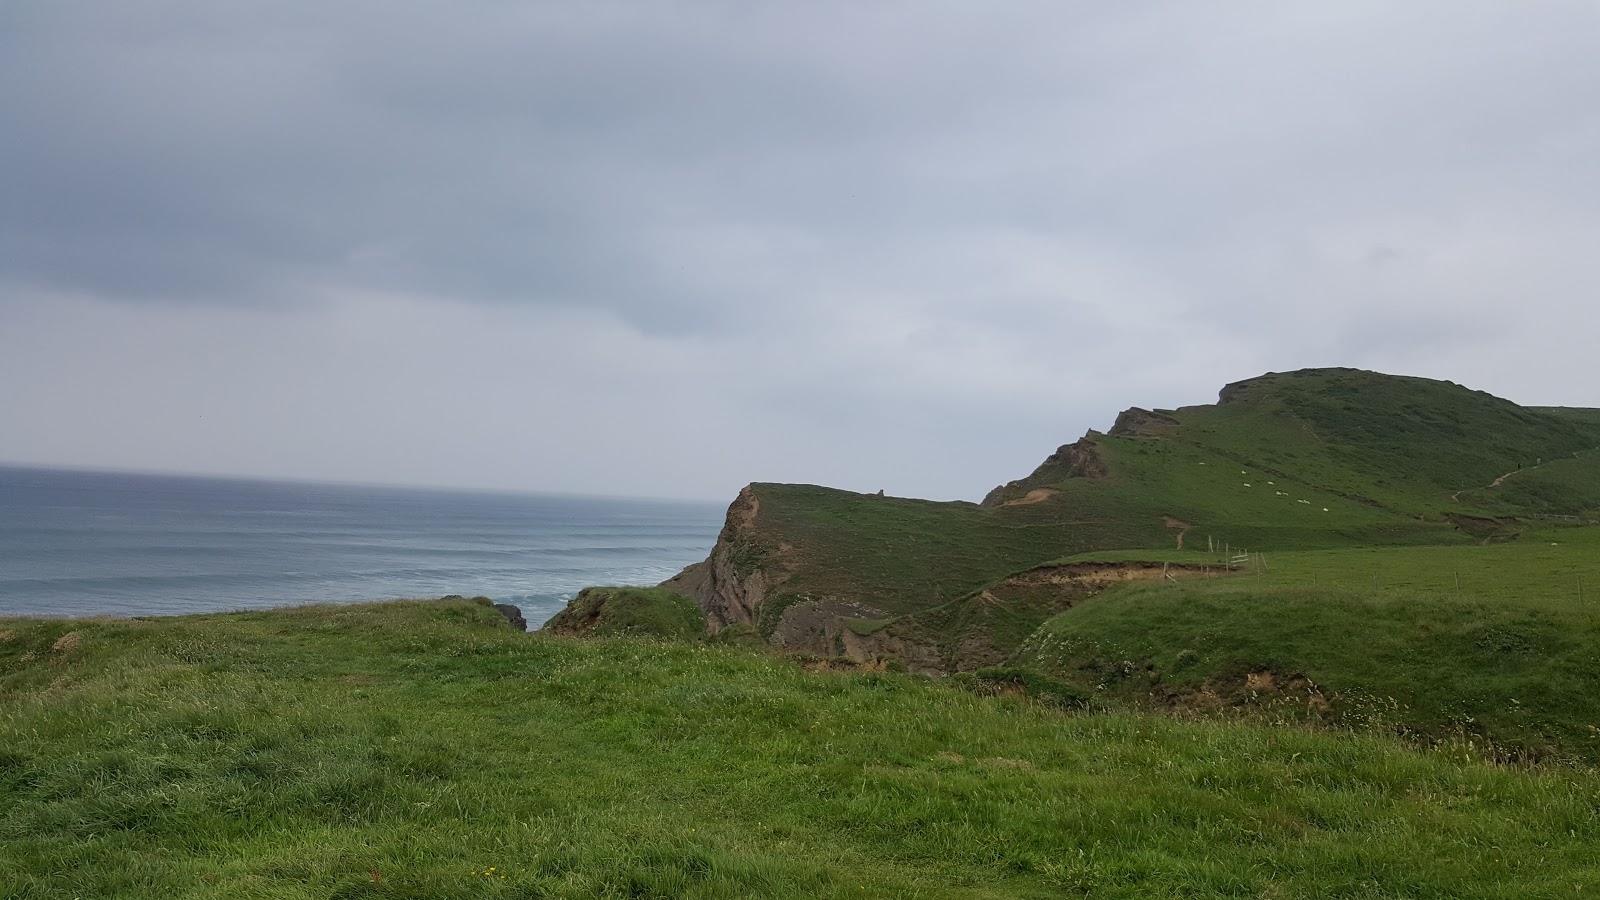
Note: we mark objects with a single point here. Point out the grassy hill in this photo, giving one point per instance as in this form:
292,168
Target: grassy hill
1312,460
1489,643
1390,458
425,749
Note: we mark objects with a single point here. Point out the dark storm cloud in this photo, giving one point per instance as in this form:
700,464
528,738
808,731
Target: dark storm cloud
883,228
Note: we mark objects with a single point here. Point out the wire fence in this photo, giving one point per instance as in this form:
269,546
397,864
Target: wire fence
1230,560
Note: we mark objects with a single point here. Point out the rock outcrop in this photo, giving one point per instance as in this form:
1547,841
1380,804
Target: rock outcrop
1138,422
513,615
1081,459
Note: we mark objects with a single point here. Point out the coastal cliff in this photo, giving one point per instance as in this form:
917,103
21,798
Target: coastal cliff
1309,460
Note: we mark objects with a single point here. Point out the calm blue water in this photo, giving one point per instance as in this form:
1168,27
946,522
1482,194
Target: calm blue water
80,543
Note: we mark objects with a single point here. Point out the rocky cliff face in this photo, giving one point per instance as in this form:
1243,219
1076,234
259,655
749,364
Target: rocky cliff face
731,585
739,583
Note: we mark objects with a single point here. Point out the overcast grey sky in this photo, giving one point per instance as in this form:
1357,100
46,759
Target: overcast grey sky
666,248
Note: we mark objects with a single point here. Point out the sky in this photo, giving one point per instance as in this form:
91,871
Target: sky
666,248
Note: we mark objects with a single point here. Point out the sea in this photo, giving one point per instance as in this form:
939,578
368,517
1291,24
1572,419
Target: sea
75,543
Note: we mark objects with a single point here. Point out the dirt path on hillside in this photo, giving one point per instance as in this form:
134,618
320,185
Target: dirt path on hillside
1181,526
1502,479
1456,497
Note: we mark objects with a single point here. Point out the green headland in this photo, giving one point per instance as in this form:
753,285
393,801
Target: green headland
1337,635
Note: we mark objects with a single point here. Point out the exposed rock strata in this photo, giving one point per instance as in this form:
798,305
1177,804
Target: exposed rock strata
731,585
917,655
817,626
1038,593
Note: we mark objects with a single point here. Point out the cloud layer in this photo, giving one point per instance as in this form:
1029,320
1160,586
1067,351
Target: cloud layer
666,248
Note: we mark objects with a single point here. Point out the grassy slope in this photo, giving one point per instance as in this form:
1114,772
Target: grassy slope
1244,504
1565,487
1376,451
1514,655
403,749
904,554
1572,413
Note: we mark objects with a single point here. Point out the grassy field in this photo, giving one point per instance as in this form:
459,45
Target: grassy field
1483,641
427,750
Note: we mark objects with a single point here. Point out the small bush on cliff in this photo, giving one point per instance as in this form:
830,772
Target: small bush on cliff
616,611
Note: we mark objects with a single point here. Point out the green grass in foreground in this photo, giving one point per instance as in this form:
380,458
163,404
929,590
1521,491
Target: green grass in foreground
404,749
1511,655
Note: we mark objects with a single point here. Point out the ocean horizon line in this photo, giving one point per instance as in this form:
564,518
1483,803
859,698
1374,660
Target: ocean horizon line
26,466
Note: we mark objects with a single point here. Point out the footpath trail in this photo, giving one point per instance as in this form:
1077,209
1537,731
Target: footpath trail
1498,481
1502,479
